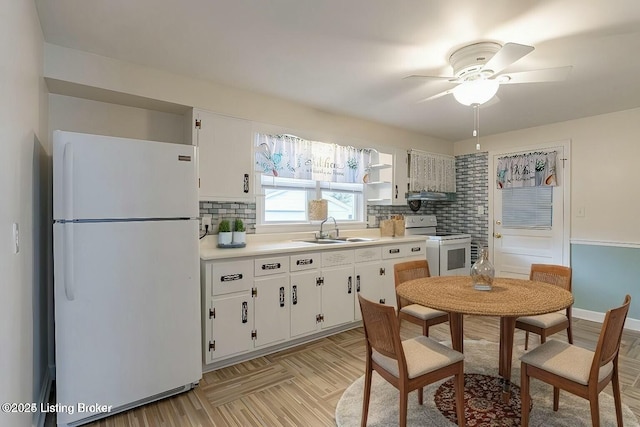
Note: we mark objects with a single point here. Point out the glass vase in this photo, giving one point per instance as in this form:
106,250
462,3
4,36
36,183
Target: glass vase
483,272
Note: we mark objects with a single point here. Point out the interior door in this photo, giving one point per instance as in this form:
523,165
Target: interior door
518,243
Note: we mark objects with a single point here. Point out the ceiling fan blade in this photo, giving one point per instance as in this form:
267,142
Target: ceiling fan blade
436,96
506,56
536,76
418,76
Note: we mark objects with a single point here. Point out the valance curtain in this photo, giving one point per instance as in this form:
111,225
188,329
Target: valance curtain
432,172
288,156
527,170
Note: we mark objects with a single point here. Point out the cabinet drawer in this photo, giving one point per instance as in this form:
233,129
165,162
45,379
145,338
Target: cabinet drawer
331,258
403,250
304,261
271,265
371,253
231,276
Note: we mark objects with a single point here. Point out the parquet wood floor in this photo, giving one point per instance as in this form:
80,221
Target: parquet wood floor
301,386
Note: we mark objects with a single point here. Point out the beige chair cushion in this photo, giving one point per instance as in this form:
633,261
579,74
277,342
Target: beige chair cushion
565,360
422,354
544,320
421,312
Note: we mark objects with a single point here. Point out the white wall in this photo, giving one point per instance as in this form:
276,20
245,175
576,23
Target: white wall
604,166
23,200
102,118
81,68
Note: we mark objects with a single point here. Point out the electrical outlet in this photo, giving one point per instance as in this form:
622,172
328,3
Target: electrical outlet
206,221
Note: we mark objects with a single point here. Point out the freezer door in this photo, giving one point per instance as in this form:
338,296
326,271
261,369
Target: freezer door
100,177
127,311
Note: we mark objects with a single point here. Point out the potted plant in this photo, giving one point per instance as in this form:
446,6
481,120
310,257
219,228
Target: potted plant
224,232
239,231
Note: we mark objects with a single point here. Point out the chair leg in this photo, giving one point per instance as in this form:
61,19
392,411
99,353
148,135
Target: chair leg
404,400
367,394
526,340
524,395
425,329
615,384
420,396
570,333
595,409
543,338
556,398
459,390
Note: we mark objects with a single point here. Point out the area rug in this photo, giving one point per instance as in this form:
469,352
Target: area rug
481,357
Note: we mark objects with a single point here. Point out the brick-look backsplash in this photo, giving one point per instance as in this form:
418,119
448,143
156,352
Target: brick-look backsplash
229,210
460,216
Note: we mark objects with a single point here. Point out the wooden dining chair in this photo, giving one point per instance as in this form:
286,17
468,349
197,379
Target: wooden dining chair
550,323
416,313
407,365
577,370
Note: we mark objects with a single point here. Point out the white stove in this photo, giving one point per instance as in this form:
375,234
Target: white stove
449,254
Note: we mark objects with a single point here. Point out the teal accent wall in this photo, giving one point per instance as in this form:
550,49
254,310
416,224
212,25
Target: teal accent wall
603,275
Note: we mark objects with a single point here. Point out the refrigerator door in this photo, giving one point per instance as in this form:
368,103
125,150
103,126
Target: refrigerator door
99,177
127,312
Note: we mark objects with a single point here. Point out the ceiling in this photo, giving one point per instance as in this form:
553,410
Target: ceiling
350,57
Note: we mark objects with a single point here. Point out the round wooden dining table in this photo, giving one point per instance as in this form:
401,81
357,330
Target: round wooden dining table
508,299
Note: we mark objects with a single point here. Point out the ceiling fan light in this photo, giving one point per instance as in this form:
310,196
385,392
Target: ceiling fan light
475,91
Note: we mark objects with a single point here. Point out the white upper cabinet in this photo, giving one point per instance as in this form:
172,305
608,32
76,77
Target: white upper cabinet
224,156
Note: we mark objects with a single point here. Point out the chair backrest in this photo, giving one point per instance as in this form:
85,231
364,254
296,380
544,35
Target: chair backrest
610,337
382,329
409,270
554,274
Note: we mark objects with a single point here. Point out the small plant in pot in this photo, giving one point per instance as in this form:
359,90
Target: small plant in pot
239,231
224,232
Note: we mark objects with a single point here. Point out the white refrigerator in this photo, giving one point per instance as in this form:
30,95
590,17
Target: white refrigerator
126,273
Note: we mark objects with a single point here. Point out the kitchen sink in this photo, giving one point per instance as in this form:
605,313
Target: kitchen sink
337,240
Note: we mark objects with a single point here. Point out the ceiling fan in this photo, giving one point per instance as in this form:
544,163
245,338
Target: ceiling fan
477,71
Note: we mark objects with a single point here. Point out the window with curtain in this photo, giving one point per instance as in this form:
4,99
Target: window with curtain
526,182
293,171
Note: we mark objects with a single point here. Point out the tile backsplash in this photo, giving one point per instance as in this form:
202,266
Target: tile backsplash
460,216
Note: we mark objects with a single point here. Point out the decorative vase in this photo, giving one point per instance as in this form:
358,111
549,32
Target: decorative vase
239,236
483,272
224,237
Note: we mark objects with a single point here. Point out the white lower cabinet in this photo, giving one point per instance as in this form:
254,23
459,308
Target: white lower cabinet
251,304
230,322
271,310
305,302
338,292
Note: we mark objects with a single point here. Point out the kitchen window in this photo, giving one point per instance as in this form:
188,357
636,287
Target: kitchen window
286,201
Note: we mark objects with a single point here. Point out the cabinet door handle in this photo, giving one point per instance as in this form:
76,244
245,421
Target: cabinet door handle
294,294
349,285
246,183
358,283
396,191
281,296
245,312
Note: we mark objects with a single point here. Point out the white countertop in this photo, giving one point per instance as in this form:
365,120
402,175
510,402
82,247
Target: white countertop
265,244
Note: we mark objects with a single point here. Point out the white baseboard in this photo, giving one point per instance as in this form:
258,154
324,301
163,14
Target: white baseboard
595,316
45,391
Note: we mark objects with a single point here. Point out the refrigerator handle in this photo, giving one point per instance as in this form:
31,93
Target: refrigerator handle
67,180
68,261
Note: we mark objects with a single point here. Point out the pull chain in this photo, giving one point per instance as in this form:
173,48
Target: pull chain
476,124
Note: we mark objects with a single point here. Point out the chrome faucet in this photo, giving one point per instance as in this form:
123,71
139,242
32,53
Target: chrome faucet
324,235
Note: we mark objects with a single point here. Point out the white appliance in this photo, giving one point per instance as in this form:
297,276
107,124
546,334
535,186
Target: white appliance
126,273
448,254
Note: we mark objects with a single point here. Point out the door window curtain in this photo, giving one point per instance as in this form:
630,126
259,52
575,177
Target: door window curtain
527,170
288,156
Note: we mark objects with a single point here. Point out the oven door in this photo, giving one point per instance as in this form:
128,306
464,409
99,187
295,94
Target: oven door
455,257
